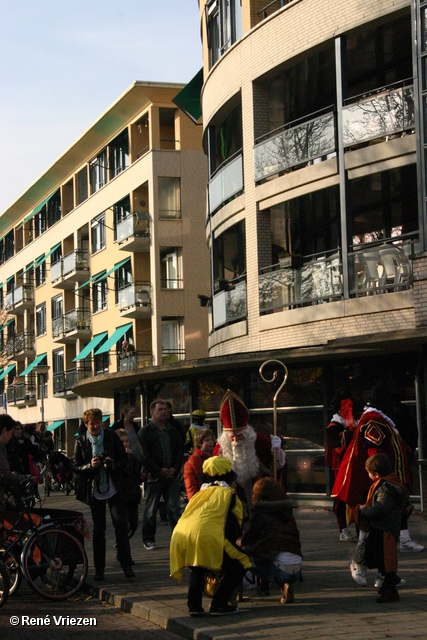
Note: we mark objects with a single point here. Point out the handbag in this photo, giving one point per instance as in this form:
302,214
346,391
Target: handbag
212,582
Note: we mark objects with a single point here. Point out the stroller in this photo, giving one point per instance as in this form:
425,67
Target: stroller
62,472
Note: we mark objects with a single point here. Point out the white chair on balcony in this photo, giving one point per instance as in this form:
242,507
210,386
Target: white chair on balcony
371,280
396,267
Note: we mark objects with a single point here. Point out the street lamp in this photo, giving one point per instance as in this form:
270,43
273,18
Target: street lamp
42,371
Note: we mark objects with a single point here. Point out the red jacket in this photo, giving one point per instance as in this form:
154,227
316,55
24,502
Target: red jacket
193,472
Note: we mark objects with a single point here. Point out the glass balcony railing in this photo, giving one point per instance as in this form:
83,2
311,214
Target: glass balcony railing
136,224
294,145
226,183
385,113
169,356
75,261
76,319
134,360
55,271
229,305
57,327
21,392
19,295
300,281
383,266
73,376
137,294
17,345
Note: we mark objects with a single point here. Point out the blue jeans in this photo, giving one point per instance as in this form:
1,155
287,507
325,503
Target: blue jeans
273,573
171,491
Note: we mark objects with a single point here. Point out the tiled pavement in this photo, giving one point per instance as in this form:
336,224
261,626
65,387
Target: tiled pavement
327,603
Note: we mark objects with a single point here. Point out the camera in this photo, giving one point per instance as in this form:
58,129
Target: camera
107,464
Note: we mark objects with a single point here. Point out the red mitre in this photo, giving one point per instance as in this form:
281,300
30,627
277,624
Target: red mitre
233,413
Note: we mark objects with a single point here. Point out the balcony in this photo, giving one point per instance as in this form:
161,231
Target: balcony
21,394
382,267
64,381
226,183
295,144
20,346
74,267
135,360
300,281
72,325
133,232
271,8
388,112
20,299
135,300
229,304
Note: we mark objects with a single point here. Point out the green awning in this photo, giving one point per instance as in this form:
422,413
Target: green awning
115,337
90,346
10,278
37,209
40,260
10,322
55,425
2,285
100,277
30,266
188,99
7,371
105,418
33,364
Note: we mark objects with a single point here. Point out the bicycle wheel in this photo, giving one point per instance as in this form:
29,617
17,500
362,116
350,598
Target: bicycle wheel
54,563
4,584
47,484
13,567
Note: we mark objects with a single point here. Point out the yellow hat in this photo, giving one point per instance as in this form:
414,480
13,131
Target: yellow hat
216,466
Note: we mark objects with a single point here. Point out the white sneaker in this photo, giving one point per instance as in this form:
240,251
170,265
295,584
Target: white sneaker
347,536
149,546
380,579
358,573
410,545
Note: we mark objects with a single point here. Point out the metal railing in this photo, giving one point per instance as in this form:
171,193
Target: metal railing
134,360
22,293
77,260
137,294
21,392
226,182
64,381
298,142
20,343
172,283
229,305
272,7
169,356
71,320
135,224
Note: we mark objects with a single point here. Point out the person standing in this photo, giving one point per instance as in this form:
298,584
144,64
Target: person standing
99,463
193,468
160,452
127,422
7,477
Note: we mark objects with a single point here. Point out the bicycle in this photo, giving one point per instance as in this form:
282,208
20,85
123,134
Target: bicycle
42,549
4,584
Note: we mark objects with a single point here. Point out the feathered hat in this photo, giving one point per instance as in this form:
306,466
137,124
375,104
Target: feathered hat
233,413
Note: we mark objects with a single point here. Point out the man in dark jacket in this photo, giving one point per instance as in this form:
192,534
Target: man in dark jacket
160,453
99,462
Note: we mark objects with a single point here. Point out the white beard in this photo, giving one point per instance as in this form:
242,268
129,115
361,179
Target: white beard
242,455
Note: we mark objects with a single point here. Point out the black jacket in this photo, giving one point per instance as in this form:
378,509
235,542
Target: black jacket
87,476
150,453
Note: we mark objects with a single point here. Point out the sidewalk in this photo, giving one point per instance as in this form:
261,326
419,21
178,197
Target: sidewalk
327,604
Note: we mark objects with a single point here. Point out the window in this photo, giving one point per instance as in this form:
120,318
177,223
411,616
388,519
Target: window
58,371
98,233
57,321
229,253
119,154
172,342
40,271
99,293
9,245
82,185
42,385
56,255
226,140
101,362
121,212
41,320
54,208
123,277
40,222
171,268
169,198
98,171
224,26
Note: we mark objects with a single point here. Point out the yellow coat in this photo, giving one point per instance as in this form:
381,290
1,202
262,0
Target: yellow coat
198,539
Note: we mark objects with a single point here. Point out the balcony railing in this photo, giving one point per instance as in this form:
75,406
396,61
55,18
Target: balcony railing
169,356
74,319
134,360
19,344
226,183
300,281
22,293
229,305
57,327
55,271
383,266
172,283
136,224
137,294
272,7
294,145
385,113
64,381
77,260
21,392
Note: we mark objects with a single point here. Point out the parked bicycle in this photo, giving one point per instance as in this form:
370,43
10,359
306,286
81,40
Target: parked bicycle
45,546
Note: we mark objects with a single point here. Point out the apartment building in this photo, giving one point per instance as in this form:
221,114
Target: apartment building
313,126
102,259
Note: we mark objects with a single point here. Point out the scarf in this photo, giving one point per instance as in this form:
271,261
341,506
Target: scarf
97,443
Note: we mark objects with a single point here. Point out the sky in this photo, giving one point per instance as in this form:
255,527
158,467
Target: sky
64,62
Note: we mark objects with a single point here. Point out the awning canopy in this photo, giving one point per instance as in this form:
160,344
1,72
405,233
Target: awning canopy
188,99
55,425
115,337
40,260
99,277
33,364
90,346
37,209
7,371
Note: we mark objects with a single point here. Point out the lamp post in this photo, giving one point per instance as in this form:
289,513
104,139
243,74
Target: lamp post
42,371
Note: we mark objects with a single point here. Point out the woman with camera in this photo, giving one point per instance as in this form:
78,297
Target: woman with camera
99,462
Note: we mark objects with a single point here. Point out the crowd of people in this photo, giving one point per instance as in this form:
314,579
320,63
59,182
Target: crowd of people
238,523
